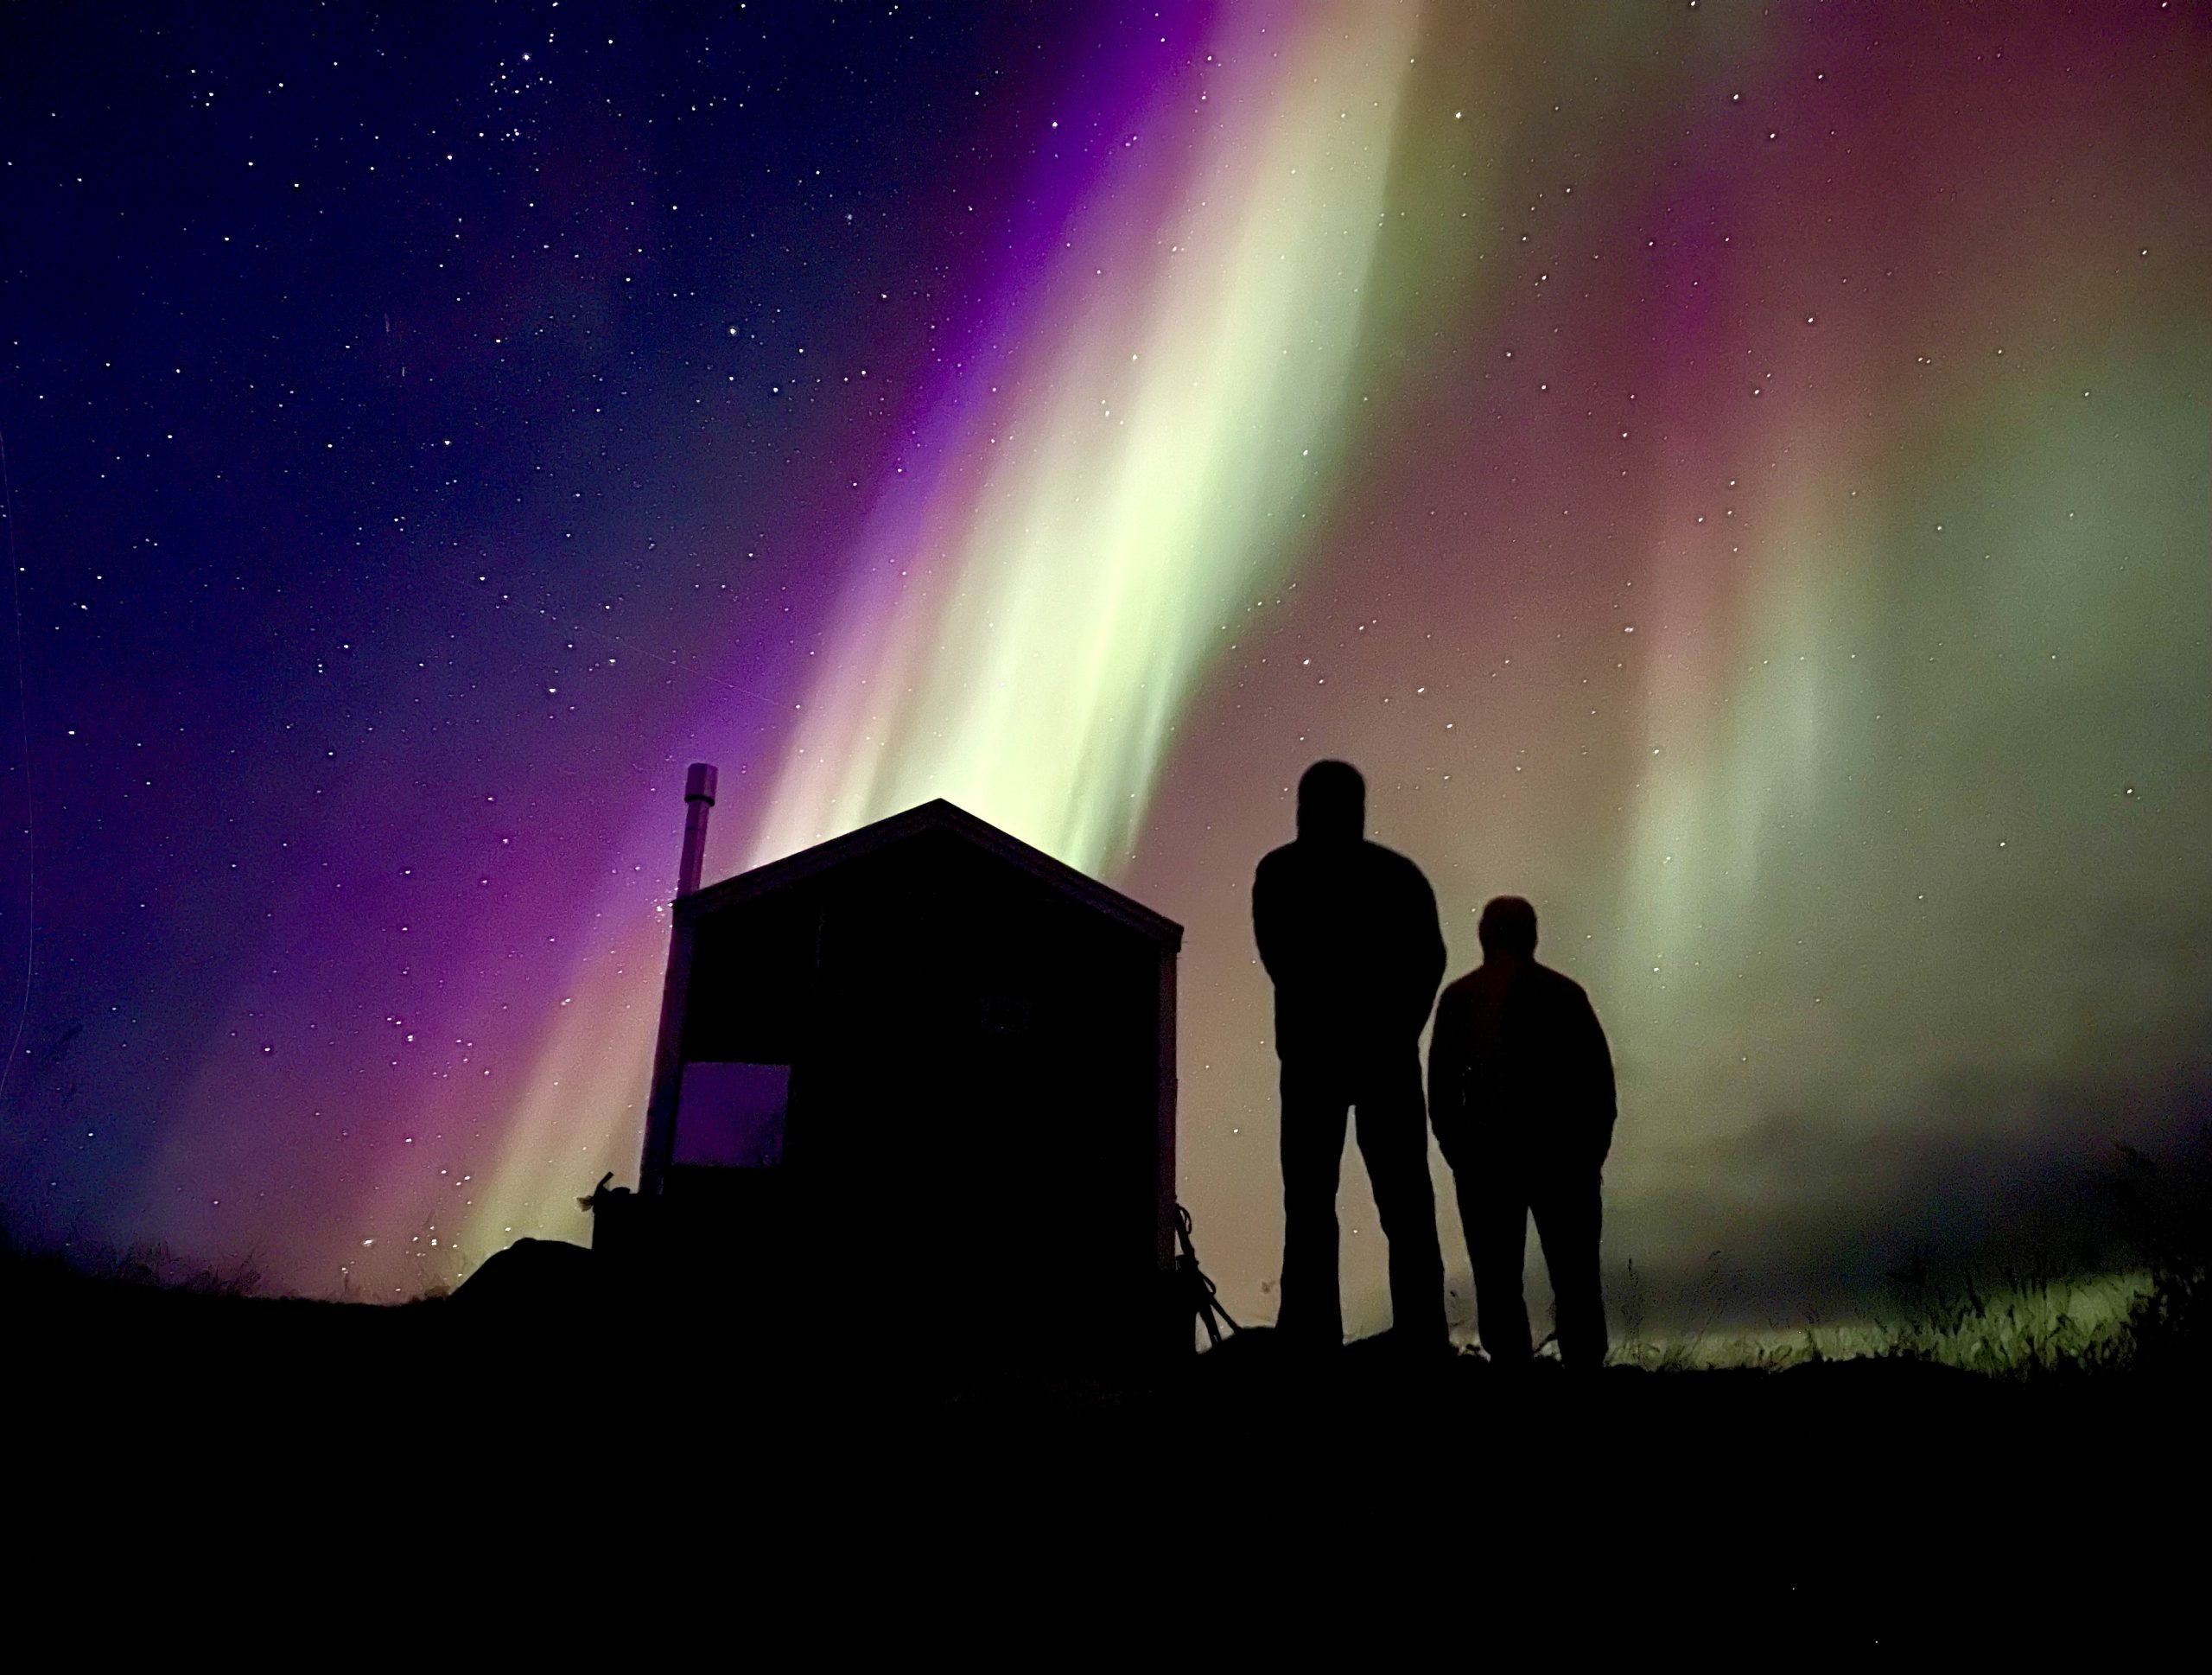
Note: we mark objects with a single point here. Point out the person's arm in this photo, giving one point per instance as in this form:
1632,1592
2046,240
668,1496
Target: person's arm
1447,1080
1597,1071
1428,946
1266,921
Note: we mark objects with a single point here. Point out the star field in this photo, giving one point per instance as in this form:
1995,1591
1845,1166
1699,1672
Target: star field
1737,477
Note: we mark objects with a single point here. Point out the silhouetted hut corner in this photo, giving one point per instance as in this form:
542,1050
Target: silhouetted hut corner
918,1081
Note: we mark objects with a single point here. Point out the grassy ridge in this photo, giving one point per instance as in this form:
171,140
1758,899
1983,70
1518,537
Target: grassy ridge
666,1469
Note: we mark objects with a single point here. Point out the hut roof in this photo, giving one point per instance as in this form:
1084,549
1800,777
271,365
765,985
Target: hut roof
937,817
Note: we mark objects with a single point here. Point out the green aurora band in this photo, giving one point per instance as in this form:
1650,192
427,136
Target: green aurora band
1720,477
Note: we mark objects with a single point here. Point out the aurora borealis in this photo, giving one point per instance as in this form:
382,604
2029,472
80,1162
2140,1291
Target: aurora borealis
1739,477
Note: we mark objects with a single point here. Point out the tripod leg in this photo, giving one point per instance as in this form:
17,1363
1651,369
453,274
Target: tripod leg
1215,1311
1202,1306
1197,1297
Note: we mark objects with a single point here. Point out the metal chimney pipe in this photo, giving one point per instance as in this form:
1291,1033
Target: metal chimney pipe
668,1049
698,798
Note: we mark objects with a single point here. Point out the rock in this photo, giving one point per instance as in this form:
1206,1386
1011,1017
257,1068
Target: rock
532,1276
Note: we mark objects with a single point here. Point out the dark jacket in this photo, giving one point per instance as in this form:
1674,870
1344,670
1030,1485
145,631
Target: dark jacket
1518,1069
1348,930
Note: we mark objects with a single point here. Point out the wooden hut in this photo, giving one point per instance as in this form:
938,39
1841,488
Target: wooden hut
918,1082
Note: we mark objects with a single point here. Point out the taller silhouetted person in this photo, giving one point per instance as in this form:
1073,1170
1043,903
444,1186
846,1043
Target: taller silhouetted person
1521,1090
1348,930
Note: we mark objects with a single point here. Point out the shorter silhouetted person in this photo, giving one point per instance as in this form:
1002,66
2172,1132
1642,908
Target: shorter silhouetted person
1348,930
1520,1090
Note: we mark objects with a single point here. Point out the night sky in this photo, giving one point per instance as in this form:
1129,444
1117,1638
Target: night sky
1739,475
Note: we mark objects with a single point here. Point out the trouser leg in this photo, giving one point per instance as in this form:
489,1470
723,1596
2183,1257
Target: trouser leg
1394,1143
1314,1107
1496,1215
1569,1222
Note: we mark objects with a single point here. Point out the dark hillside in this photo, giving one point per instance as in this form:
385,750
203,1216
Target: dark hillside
1843,1505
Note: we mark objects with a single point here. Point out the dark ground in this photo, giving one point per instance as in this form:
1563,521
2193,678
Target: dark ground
283,1472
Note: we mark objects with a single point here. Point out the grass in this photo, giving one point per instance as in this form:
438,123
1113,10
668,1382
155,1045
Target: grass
2011,1326
1808,1509
2043,1324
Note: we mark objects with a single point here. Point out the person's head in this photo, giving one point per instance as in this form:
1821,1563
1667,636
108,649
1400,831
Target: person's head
1508,926
1331,802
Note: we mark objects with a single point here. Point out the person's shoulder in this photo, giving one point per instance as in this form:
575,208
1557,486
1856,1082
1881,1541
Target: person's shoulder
1463,988
1279,868
1468,989
1564,988
1386,860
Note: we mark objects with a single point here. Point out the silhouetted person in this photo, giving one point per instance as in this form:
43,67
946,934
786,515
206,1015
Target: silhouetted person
1521,1090
1348,930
